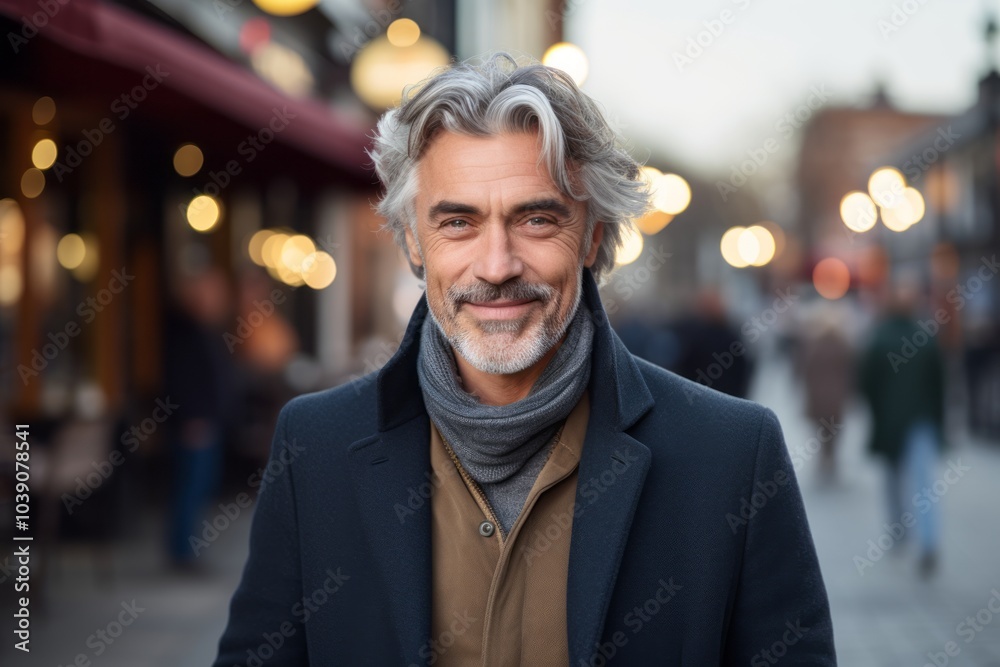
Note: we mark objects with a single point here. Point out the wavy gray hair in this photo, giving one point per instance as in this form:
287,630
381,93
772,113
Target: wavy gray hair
584,154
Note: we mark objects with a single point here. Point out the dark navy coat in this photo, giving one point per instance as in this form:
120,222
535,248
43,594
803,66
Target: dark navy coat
689,546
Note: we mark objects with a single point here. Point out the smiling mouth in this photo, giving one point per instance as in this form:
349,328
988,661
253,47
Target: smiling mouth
504,309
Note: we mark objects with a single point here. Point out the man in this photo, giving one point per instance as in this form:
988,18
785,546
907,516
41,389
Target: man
514,487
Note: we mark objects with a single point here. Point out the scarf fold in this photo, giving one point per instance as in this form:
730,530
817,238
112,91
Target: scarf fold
493,442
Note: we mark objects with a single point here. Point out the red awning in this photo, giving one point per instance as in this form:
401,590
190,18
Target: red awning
119,37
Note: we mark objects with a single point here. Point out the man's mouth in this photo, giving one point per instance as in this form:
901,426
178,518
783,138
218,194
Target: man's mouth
499,310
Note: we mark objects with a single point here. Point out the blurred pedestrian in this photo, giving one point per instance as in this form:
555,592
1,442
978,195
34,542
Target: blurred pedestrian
712,350
826,363
902,378
200,379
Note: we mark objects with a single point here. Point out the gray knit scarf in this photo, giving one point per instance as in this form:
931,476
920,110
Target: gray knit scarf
493,442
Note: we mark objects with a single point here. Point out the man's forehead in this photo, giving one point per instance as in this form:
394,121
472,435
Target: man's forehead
456,165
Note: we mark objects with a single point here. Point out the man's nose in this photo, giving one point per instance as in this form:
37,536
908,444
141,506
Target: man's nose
496,259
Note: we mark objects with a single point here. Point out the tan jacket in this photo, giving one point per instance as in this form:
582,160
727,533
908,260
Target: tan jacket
502,600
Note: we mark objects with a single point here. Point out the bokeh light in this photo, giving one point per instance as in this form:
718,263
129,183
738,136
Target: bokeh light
255,247
44,154
188,160
319,270
831,278
71,251
32,183
672,194
569,58
286,7
284,68
631,248
729,245
886,185
11,285
254,33
761,250
271,249
403,32
43,111
858,211
203,213
381,70
11,228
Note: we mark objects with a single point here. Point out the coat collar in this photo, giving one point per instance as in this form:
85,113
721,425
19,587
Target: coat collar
398,387
391,468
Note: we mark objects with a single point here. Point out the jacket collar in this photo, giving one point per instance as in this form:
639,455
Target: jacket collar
400,398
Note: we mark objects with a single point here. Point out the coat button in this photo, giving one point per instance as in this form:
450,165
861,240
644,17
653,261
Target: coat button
486,529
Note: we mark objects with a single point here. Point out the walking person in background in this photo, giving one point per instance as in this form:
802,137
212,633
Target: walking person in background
902,378
826,361
200,379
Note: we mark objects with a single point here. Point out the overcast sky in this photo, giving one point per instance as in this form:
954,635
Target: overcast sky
705,113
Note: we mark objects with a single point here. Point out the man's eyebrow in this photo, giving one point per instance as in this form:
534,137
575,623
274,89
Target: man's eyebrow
550,204
451,207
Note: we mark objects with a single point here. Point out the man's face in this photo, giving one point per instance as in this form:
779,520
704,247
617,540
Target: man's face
502,248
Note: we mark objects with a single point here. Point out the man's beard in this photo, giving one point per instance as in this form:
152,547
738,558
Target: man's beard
502,347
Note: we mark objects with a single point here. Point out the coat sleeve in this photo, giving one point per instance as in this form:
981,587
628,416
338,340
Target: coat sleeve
263,622
780,608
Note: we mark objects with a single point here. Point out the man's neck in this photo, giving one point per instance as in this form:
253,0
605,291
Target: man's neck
493,389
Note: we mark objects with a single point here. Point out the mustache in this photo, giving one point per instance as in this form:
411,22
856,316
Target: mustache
484,292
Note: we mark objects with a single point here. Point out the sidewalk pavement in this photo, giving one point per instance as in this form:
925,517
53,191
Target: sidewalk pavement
884,615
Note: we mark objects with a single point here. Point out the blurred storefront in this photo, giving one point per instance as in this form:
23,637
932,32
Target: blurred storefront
147,145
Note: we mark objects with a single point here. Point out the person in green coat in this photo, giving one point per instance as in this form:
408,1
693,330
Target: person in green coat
902,379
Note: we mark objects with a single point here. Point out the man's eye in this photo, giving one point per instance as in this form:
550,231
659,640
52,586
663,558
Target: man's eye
538,222
457,224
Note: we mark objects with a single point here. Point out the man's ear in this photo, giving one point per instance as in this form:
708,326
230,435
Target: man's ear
412,248
595,243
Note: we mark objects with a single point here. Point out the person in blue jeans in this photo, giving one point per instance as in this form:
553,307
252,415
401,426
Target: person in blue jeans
200,378
902,378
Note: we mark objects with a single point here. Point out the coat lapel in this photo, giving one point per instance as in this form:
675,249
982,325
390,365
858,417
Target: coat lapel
389,481
390,471
613,469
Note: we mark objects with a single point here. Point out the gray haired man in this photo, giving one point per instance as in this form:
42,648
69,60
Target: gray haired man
515,487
